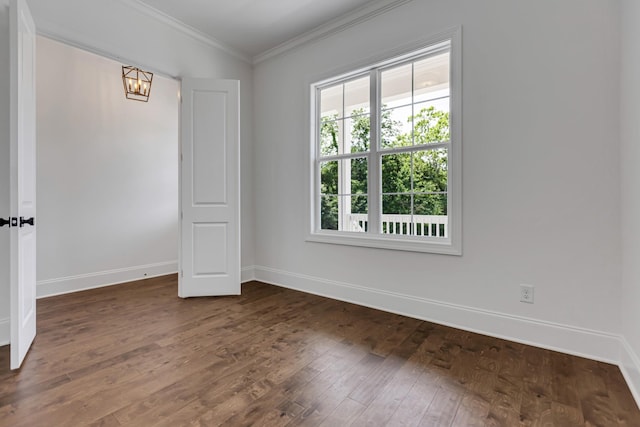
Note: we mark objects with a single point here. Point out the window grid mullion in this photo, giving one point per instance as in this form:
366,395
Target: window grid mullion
412,148
344,130
413,139
335,157
387,151
375,179
437,98
341,172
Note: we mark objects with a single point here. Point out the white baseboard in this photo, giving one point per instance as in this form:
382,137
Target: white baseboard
82,282
581,342
247,274
630,367
5,333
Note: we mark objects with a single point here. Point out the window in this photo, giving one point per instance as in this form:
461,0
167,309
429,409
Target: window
386,153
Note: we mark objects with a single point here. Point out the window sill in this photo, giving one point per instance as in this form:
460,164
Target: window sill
397,243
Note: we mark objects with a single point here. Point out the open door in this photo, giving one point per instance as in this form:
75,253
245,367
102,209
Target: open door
22,182
209,188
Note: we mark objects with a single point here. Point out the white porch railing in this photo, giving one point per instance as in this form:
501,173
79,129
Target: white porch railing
414,225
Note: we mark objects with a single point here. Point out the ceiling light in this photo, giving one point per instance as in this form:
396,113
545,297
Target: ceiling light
137,83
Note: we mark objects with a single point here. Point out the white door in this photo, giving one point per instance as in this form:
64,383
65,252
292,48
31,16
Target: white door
210,188
22,182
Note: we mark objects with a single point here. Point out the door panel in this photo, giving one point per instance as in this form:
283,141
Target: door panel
22,182
209,147
210,188
210,249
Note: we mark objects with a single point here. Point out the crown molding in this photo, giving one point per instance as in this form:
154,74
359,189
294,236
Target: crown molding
332,27
185,29
328,29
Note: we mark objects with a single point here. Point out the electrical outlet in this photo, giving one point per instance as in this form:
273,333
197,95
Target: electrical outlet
526,294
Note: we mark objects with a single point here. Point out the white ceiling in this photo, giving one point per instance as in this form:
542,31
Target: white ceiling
255,26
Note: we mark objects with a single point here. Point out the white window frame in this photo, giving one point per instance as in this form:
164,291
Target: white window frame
452,244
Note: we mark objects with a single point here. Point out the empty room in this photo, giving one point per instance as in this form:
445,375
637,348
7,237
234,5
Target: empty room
319,213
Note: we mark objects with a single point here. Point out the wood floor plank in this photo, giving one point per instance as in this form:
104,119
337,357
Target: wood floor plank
507,401
417,401
444,406
137,355
345,414
535,409
474,412
108,421
320,403
388,398
378,379
258,392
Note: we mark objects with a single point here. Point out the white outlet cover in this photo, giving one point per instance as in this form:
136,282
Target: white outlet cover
526,294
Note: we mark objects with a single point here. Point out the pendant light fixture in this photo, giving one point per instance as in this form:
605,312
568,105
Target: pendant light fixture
137,83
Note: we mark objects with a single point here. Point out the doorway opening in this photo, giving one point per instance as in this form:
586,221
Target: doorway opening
107,173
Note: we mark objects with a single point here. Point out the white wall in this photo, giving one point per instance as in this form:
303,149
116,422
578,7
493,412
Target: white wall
630,155
107,177
127,34
540,174
4,172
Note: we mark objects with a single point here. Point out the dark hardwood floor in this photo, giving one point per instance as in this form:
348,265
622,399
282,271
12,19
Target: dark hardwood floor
137,355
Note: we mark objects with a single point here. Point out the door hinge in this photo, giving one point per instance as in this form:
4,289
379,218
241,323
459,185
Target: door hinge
181,273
